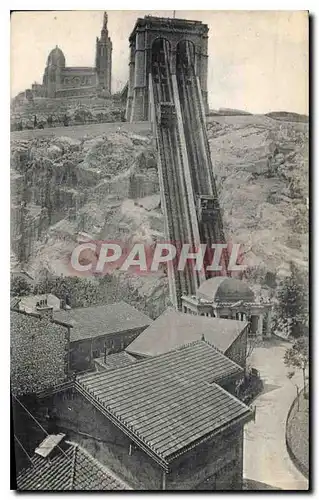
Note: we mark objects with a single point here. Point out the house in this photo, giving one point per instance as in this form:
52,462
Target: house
46,302
96,329
59,465
164,423
174,329
91,331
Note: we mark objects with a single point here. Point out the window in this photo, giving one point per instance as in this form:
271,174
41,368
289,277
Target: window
96,353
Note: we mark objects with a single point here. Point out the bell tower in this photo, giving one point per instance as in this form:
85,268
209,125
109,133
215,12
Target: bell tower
103,58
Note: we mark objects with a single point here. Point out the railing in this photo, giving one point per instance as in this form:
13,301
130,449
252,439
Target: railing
68,384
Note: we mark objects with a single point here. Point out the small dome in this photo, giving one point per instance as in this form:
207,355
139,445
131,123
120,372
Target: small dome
224,289
56,58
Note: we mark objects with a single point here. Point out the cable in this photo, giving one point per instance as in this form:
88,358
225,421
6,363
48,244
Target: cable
38,423
42,428
25,451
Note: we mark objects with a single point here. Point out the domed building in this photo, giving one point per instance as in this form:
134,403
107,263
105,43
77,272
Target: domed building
56,58
60,80
230,298
224,289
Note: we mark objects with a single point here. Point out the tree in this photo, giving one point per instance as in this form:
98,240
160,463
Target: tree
290,376
297,356
19,286
252,342
291,311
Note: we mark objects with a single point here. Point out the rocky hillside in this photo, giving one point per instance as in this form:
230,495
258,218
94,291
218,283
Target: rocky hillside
261,169
106,187
74,111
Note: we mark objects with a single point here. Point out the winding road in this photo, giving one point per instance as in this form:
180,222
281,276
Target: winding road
266,459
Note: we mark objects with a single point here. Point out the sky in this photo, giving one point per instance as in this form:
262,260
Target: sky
258,60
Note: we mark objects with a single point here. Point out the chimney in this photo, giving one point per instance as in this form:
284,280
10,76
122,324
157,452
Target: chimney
43,308
45,311
64,304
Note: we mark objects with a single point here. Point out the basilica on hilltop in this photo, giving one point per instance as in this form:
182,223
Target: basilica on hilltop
60,80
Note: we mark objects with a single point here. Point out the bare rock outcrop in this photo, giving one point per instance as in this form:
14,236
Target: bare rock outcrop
107,187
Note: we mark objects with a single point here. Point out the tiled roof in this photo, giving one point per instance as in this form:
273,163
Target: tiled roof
14,301
75,469
168,403
97,321
173,329
113,361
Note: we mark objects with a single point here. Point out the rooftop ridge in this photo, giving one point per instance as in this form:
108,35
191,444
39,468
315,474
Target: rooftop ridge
151,359
73,465
218,350
94,387
152,447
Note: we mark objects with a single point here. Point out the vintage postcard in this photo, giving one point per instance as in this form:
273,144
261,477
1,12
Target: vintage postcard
159,250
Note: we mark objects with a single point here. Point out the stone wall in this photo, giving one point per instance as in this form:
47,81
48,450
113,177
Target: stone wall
39,353
82,352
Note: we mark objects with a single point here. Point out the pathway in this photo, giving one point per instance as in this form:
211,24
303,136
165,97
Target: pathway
266,459
78,131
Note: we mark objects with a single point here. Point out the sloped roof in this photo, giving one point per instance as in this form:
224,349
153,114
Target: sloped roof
102,320
29,302
225,289
75,469
117,360
173,329
168,403
14,301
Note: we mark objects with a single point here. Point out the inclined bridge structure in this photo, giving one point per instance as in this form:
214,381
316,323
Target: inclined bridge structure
188,191
168,86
